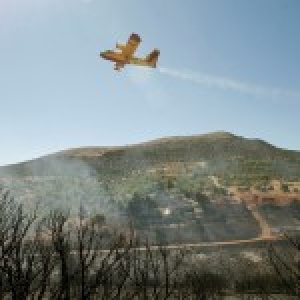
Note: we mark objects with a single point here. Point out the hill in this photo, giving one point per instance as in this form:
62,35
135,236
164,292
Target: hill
212,187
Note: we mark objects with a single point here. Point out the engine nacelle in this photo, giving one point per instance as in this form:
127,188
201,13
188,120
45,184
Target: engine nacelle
120,46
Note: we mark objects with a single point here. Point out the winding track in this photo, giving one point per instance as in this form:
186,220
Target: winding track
206,244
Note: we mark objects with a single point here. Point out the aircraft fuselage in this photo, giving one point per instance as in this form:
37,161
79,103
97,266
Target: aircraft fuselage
126,55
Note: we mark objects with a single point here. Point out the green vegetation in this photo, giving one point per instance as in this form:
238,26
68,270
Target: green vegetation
228,156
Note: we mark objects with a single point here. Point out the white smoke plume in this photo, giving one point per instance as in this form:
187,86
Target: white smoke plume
228,83
59,183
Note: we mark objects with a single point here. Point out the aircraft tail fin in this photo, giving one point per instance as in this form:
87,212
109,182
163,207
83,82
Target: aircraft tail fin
152,57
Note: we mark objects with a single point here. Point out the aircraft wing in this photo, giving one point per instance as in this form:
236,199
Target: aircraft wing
132,43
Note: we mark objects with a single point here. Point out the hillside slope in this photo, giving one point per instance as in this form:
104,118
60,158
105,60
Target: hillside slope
212,187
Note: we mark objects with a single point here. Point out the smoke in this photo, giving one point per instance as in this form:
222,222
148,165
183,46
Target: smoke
59,183
211,81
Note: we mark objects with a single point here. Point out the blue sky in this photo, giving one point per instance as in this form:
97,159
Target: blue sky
224,65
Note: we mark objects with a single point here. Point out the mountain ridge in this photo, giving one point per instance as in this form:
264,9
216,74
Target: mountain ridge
174,139
216,146
89,151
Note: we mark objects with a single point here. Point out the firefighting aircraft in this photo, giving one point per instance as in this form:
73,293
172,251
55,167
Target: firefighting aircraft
125,56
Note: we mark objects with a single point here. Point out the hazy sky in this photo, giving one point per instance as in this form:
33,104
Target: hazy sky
225,65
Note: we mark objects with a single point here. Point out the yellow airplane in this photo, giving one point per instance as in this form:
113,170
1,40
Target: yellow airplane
125,56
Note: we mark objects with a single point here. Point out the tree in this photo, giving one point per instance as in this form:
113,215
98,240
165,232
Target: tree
284,262
25,259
